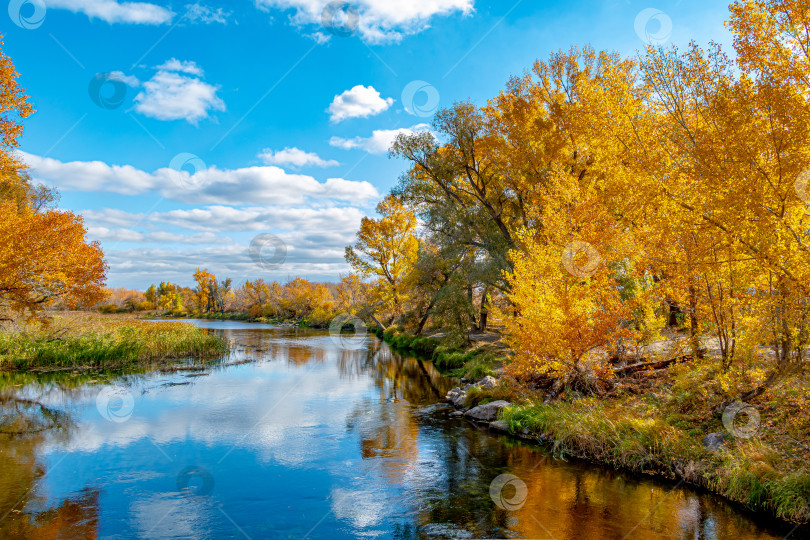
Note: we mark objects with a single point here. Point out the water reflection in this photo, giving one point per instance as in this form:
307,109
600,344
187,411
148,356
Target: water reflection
303,439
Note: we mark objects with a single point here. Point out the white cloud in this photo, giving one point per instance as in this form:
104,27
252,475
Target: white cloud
105,234
250,185
319,37
380,141
217,218
315,238
359,102
172,95
227,218
378,21
112,11
138,267
295,157
130,80
173,64
203,14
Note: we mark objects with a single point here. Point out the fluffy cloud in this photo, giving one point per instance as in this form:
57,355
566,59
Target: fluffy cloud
379,142
314,255
359,102
161,237
112,11
378,21
218,238
173,64
138,267
176,92
251,185
198,13
295,157
342,221
129,80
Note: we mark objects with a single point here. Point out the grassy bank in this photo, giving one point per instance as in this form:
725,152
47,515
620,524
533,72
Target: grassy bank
654,423
452,356
242,316
749,472
659,431
103,342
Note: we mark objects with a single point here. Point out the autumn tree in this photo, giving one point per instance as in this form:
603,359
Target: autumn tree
386,248
14,108
45,256
205,281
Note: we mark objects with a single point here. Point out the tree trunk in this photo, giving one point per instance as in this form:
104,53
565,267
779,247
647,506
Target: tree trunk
381,325
484,311
424,319
674,311
473,321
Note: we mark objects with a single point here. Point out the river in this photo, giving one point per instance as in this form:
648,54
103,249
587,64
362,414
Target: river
295,434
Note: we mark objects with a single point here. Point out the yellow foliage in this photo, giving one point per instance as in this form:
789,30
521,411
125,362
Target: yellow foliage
44,258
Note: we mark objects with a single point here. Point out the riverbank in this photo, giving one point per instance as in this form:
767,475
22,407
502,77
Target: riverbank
87,341
454,357
244,317
658,423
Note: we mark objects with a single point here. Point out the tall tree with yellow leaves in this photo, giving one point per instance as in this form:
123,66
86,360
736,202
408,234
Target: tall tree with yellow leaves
386,248
45,256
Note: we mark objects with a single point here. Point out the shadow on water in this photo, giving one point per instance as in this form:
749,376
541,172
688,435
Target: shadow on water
291,436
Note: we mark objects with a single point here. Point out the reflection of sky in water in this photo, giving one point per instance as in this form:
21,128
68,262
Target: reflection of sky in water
272,434
312,440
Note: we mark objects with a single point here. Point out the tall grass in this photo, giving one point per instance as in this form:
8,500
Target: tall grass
449,357
105,344
748,472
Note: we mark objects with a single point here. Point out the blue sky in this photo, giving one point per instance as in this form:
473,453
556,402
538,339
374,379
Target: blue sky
183,130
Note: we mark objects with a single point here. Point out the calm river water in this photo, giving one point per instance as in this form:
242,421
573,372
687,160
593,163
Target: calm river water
293,435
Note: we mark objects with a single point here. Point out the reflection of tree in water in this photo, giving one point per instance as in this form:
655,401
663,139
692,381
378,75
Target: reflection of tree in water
564,499
397,376
25,425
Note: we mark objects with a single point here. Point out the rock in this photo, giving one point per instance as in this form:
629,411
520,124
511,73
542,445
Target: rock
445,530
488,382
715,441
456,396
457,413
488,411
499,425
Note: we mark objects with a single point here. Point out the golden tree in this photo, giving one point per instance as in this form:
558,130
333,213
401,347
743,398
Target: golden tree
14,107
387,248
45,256
203,292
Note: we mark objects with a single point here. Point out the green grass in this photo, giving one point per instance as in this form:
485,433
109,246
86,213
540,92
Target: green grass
748,472
449,357
112,344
